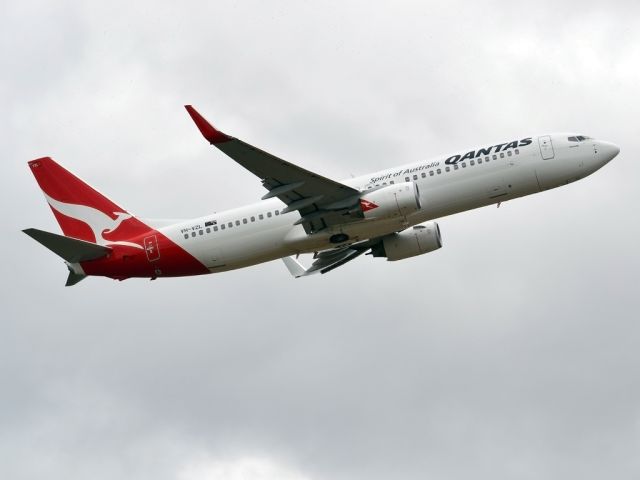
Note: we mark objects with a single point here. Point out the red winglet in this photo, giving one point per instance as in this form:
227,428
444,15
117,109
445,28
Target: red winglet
208,131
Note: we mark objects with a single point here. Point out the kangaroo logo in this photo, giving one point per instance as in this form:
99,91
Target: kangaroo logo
367,205
99,222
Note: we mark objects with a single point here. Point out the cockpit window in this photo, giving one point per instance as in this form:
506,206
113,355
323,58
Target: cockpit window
578,138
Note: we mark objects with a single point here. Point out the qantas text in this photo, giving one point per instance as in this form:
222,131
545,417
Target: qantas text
501,147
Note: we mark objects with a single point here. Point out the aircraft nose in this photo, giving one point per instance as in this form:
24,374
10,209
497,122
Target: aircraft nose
608,150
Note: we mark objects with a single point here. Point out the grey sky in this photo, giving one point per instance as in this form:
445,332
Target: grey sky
511,353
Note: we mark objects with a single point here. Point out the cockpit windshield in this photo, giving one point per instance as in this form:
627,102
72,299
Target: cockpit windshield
578,138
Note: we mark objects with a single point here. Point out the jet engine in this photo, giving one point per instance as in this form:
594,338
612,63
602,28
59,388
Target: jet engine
400,199
417,240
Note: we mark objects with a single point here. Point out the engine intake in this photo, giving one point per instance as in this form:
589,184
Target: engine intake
418,240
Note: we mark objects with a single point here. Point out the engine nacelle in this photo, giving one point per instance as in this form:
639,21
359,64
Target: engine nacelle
400,199
420,239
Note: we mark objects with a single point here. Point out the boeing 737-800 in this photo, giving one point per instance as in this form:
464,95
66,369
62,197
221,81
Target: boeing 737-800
387,214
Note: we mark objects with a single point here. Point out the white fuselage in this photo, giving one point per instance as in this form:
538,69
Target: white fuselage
471,179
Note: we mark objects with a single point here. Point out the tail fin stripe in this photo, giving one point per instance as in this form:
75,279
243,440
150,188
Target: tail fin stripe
98,221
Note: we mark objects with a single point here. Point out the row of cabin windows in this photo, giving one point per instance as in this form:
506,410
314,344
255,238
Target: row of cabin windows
455,167
224,226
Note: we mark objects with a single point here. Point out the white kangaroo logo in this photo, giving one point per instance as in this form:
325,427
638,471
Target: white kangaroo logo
98,221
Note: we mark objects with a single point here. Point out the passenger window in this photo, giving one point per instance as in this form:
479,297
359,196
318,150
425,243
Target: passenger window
208,230
495,157
238,222
200,232
415,177
193,234
406,179
501,154
186,236
464,165
215,229
438,171
479,161
517,151
486,159
431,173
253,219
509,153
244,220
447,169
230,224
261,217
222,227
424,175
269,214
455,166
277,212
472,162
392,182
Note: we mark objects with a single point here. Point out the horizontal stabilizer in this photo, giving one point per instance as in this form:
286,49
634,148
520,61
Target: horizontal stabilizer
70,249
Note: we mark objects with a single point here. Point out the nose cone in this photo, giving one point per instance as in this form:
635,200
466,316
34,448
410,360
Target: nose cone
607,150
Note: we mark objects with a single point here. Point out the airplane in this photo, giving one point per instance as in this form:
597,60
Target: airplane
388,214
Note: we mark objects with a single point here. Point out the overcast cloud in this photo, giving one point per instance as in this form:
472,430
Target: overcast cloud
511,353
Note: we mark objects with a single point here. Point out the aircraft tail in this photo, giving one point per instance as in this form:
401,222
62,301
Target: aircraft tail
81,211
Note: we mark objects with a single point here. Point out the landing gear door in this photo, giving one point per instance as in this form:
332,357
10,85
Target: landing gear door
151,248
546,147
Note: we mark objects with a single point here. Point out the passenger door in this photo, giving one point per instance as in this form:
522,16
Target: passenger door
546,147
151,248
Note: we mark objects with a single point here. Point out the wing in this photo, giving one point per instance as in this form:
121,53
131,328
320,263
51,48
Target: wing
324,262
322,202
327,260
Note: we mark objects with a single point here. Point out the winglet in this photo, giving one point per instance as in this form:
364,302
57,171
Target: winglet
208,131
295,267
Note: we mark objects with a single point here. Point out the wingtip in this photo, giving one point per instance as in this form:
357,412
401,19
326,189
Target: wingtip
295,267
208,131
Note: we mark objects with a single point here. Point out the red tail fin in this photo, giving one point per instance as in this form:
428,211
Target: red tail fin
81,211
